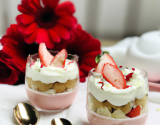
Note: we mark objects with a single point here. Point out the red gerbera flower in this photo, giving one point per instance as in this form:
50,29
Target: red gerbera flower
83,45
49,23
14,56
8,72
13,45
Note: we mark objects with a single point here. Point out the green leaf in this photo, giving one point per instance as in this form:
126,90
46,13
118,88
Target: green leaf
97,59
105,52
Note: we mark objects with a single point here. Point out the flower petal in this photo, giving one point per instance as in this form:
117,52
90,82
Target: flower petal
13,28
32,6
65,8
82,79
30,28
96,44
42,36
85,67
18,18
68,21
81,73
62,32
27,19
92,54
50,3
54,36
5,41
25,4
93,64
23,10
31,38
13,49
21,27
36,3
8,74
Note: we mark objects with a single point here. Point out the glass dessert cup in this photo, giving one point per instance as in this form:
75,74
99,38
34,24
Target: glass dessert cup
116,105
51,88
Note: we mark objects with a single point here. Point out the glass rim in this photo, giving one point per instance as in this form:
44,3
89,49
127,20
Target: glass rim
93,72
75,57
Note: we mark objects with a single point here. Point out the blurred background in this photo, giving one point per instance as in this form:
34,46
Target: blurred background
105,19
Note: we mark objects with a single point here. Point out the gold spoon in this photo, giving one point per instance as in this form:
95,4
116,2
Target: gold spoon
25,114
60,121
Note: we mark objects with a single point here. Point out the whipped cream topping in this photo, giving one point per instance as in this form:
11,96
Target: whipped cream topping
52,74
118,97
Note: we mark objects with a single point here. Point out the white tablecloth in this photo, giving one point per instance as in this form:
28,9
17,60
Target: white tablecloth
76,113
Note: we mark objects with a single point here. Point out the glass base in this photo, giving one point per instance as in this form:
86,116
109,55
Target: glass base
53,103
96,119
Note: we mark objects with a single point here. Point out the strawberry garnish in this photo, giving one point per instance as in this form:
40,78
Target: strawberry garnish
120,66
128,86
106,58
114,76
133,69
129,76
41,65
28,58
70,62
32,63
45,55
134,112
102,84
59,59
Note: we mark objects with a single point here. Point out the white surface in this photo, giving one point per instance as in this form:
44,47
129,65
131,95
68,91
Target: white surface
76,113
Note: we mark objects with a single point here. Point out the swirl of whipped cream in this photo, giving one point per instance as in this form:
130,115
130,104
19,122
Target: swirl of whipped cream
118,97
52,74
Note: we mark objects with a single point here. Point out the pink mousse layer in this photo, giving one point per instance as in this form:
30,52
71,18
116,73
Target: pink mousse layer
96,119
51,102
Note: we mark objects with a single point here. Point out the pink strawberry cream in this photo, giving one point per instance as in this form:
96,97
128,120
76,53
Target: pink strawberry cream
116,96
51,79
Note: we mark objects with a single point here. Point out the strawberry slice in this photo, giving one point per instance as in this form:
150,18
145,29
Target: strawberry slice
32,63
59,59
114,76
45,56
106,58
134,112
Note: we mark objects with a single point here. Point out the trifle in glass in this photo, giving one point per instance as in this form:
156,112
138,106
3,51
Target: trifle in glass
116,95
51,78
